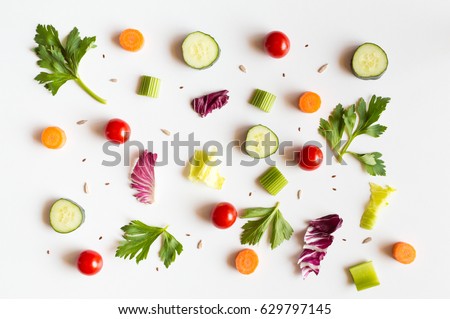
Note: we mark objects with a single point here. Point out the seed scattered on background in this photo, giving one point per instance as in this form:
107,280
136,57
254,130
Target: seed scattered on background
100,238
306,45
181,87
242,68
157,268
81,122
250,194
113,80
188,235
299,194
323,68
299,129
334,189
83,160
200,245
86,188
48,252
367,240
103,56
333,176
343,239
284,75
166,132
106,183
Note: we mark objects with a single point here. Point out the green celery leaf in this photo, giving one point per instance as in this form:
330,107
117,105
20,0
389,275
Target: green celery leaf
374,130
349,118
257,212
372,163
376,106
333,129
281,230
169,249
254,229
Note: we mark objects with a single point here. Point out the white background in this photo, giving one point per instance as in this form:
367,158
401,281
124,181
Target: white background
415,35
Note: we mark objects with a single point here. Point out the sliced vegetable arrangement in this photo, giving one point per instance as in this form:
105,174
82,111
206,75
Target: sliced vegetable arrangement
201,51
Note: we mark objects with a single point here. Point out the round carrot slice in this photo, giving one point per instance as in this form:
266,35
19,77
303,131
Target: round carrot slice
309,102
53,137
131,40
403,252
246,261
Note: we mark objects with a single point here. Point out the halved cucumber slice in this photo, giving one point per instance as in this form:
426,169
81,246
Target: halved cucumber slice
369,61
200,50
261,142
66,215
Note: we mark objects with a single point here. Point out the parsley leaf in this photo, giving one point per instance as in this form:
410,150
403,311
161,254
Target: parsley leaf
254,229
62,61
138,239
355,120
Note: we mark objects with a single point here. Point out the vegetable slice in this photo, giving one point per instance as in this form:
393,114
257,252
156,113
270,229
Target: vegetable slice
364,275
309,102
263,100
131,40
149,86
201,170
143,177
200,50
369,61
66,216
273,181
206,104
378,199
403,252
246,261
53,137
261,141
317,239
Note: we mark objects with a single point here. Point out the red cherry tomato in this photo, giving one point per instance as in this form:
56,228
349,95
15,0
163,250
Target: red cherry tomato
310,157
223,215
277,44
117,131
90,262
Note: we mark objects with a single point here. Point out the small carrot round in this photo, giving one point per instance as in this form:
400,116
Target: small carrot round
403,252
309,102
246,261
53,137
131,40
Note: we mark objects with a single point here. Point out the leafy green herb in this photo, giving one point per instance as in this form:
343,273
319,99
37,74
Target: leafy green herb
62,61
355,120
254,229
138,239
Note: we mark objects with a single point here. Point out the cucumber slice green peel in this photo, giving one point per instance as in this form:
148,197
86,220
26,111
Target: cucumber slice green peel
369,61
273,181
200,50
261,142
364,275
149,86
263,100
66,216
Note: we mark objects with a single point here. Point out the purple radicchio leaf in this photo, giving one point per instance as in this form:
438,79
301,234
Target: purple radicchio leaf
206,104
143,177
317,239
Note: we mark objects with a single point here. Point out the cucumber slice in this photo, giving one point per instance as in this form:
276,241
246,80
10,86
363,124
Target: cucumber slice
149,86
364,275
273,181
66,216
200,50
263,100
261,142
369,61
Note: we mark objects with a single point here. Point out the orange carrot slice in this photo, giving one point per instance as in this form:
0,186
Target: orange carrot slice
246,261
53,137
131,40
403,252
309,102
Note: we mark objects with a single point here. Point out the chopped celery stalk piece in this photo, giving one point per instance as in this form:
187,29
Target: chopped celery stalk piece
149,86
263,100
378,199
273,181
200,171
364,275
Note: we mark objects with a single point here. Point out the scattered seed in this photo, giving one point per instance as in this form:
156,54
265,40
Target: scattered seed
299,194
83,160
48,252
343,239
103,56
157,268
306,45
299,129
86,188
167,132
100,238
333,176
250,194
367,240
284,75
334,189
242,68
323,68
113,80
200,245
106,183
181,87
81,122
188,235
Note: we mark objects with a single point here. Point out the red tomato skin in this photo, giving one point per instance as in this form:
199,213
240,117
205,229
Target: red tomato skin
223,215
89,262
277,44
117,131
310,158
